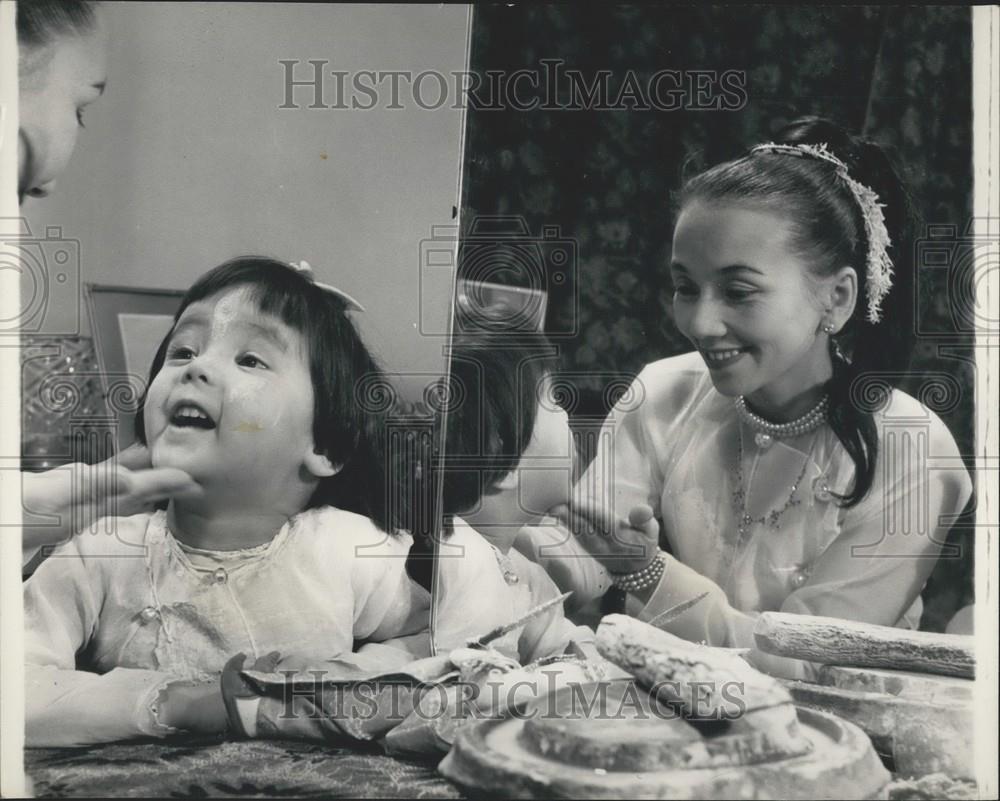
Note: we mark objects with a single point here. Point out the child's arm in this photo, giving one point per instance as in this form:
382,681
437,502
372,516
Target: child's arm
66,706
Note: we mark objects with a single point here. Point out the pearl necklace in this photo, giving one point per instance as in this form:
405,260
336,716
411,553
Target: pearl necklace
767,432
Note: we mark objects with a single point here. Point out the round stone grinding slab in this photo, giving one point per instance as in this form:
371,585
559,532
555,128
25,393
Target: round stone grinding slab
504,757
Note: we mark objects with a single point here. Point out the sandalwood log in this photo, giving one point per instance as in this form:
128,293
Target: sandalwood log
833,641
706,682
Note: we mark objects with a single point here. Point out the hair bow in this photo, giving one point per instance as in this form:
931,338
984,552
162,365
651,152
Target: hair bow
302,267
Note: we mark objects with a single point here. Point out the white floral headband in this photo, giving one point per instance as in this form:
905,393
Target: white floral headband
304,268
879,265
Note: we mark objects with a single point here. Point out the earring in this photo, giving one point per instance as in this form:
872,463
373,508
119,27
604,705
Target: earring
828,328
837,352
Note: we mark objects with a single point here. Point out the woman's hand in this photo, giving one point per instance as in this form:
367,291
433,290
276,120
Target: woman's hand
79,494
621,545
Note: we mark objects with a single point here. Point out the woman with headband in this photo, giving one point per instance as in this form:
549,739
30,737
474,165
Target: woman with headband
789,470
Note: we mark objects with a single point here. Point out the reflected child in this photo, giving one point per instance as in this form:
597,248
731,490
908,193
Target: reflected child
509,459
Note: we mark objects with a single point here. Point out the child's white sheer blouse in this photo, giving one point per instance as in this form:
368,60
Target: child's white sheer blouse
111,618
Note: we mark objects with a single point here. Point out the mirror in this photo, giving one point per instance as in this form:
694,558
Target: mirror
582,126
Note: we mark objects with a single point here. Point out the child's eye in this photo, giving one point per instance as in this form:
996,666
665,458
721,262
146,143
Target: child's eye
179,353
685,290
249,360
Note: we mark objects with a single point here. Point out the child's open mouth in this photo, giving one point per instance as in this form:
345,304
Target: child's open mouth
190,415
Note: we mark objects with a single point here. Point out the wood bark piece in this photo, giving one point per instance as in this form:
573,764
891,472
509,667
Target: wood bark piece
849,643
705,682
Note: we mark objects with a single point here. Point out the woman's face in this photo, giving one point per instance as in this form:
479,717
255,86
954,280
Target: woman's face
57,81
745,300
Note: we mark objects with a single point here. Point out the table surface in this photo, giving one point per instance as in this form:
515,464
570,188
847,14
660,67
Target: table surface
257,768
288,769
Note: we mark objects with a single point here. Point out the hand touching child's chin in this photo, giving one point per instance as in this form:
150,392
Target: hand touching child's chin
169,450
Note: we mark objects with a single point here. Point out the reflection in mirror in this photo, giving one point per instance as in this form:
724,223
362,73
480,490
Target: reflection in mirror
576,152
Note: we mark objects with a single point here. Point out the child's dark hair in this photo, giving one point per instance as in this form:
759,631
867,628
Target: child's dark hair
41,21
828,231
346,430
495,377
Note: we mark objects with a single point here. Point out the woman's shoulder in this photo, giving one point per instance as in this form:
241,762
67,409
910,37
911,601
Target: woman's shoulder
674,368
906,416
671,384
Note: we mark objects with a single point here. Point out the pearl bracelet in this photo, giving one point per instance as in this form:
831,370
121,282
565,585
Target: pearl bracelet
641,579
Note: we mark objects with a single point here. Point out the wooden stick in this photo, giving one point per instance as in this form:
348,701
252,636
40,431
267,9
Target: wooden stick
833,641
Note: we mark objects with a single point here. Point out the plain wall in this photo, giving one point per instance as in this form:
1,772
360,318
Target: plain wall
187,160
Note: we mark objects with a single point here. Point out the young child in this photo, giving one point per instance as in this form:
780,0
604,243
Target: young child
288,549
508,461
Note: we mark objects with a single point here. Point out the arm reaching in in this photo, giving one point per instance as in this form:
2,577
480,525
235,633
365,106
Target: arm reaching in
60,502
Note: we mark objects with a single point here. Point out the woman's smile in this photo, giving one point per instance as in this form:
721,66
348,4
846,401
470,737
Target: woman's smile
720,358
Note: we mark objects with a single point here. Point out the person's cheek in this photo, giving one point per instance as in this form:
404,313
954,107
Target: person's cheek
152,410
682,318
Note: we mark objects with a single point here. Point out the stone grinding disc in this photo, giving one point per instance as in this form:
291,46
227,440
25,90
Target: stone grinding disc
579,753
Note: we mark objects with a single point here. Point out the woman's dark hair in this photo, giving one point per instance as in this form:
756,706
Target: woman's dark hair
41,21
347,428
494,382
828,231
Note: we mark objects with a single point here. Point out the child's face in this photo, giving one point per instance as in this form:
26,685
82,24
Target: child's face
233,402
743,298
